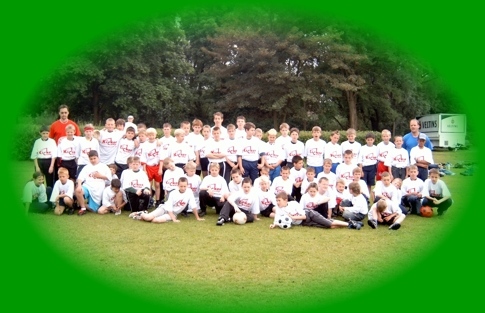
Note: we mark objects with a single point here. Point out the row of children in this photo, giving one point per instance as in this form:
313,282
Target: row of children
228,199
115,146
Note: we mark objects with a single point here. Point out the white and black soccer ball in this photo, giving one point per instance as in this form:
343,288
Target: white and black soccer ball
283,221
239,218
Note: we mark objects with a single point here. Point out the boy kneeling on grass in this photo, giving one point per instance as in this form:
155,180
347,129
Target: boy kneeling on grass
114,198
307,217
244,201
178,200
385,212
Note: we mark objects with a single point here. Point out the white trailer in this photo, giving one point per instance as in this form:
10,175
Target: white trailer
444,129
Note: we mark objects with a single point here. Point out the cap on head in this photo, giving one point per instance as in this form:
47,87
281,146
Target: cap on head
422,136
129,117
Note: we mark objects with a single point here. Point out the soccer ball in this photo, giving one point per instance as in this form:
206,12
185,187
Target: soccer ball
239,218
283,221
426,211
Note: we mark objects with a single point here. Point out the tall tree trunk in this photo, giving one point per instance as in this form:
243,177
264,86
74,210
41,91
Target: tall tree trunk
352,101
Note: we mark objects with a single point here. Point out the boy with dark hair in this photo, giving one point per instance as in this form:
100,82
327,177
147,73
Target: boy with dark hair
91,183
368,162
137,186
307,217
114,199
436,193
242,201
44,154
297,175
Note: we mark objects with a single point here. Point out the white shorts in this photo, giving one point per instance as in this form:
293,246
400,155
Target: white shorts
161,212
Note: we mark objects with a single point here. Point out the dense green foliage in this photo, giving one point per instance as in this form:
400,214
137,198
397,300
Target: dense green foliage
269,66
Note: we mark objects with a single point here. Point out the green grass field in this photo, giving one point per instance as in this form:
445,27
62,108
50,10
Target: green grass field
209,264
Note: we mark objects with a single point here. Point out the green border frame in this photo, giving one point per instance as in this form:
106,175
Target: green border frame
38,36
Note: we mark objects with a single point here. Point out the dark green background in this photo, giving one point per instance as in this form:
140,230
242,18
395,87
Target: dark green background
38,37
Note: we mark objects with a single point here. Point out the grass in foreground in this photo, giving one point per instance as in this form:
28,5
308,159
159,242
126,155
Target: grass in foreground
217,263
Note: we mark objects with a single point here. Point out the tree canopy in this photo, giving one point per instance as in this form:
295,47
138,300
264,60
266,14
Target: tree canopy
271,67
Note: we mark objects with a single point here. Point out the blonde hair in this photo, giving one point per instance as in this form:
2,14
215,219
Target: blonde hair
178,131
190,165
272,132
151,130
63,170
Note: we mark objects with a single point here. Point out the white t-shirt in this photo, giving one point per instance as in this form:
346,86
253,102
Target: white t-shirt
420,154
331,177
194,182
344,171
314,152
177,201
95,185
136,180
293,209
368,155
384,150
109,197
84,147
333,152
398,158
248,202
265,199
412,185
68,149
126,149
62,189
359,204
44,149
293,149
171,178
108,144
354,147
217,184
280,185
435,190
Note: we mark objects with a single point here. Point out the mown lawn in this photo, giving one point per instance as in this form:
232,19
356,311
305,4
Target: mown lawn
199,265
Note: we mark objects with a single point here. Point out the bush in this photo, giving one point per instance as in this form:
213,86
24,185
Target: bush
26,133
360,137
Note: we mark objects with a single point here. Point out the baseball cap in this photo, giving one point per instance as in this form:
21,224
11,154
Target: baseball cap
129,116
422,136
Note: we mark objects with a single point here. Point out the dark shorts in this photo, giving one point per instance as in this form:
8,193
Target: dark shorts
370,174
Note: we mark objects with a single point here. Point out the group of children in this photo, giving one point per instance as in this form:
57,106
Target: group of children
118,167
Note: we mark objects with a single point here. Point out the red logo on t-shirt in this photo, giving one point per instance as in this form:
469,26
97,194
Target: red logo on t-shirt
45,152
109,142
315,152
171,182
126,148
249,150
135,184
69,151
232,150
400,158
179,154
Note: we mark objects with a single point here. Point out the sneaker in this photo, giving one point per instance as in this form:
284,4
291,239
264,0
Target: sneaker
220,221
118,212
372,223
184,213
355,225
70,211
136,215
81,212
202,213
395,226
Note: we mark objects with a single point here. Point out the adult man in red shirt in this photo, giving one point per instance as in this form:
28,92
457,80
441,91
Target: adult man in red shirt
58,128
